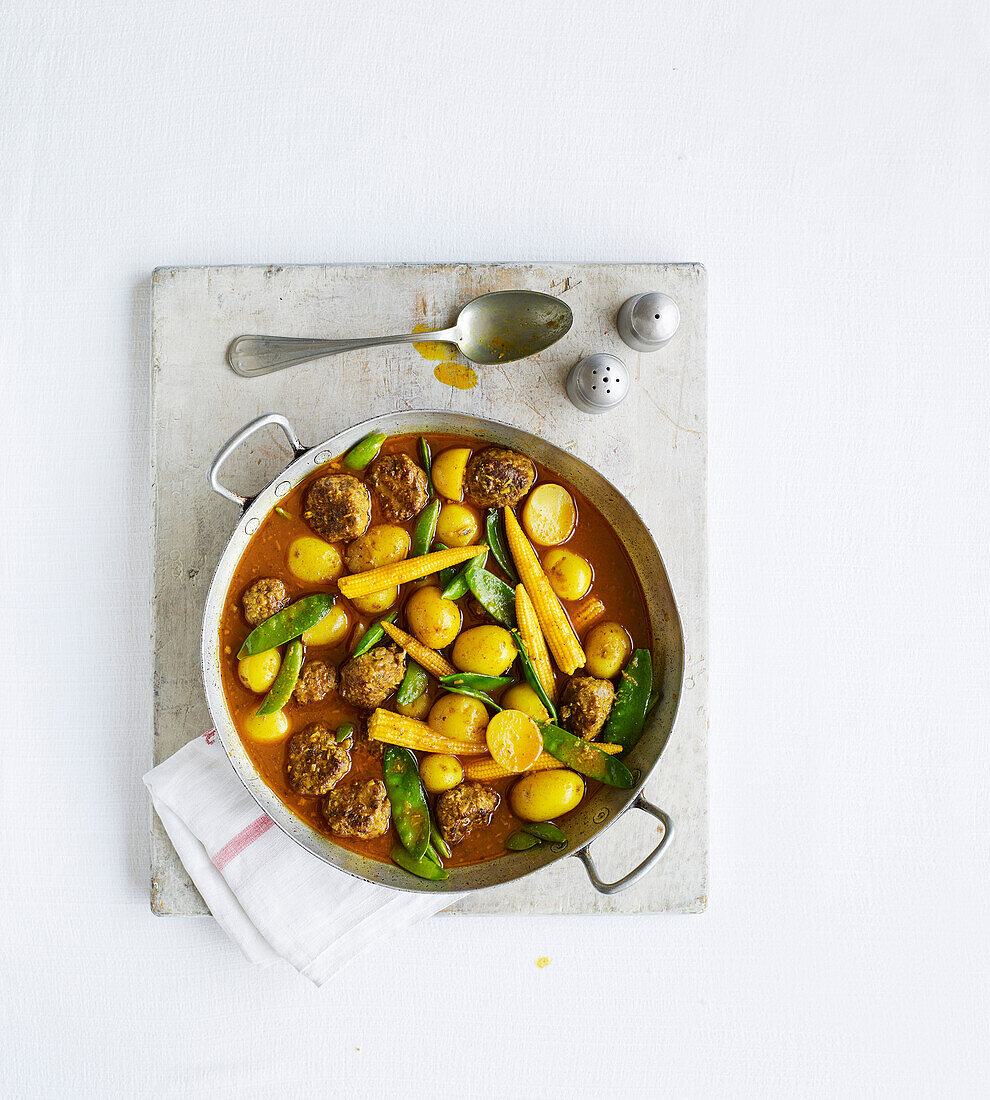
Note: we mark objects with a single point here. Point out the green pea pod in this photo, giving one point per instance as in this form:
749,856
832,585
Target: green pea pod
481,696
414,683
495,596
345,731
425,529
495,537
437,842
475,681
281,690
653,699
410,813
431,855
585,757
545,830
286,624
364,452
458,585
422,868
373,635
520,842
445,576
529,672
427,456
625,722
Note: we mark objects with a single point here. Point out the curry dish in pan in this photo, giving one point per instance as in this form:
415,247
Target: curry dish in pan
434,649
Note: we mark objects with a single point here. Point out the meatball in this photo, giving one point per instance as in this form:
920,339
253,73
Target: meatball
585,706
338,507
367,681
358,809
497,477
263,599
315,682
316,761
400,486
467,805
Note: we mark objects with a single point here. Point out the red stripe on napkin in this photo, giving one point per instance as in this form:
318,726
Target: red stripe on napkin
244,838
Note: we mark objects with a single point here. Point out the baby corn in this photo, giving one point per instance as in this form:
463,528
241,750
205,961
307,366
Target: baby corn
412,569
484,767
409,733
532,636
421,654
557,630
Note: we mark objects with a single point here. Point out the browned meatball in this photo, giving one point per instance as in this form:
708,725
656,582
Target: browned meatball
358,809
400,486
338,506
459,810
263,599
585,706
367,681
316,761
315,682
497,476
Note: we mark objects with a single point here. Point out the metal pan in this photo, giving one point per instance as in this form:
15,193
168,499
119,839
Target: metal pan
593,816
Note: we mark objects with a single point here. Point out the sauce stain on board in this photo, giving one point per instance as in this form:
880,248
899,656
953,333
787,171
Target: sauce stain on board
448,370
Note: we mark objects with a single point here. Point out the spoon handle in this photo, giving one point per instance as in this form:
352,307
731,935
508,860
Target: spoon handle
251,356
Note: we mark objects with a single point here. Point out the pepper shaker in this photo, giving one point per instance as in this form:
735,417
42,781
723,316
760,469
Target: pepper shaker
648,321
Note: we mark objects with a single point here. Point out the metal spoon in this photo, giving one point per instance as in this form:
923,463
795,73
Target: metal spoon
495,328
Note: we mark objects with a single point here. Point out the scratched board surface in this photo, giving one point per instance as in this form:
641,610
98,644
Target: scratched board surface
653,447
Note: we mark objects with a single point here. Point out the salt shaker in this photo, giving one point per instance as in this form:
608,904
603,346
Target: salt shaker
648,321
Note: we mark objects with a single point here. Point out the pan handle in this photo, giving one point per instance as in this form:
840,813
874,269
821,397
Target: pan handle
637,872
213,474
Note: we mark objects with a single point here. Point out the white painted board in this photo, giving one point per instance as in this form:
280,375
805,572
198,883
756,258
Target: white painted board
652,447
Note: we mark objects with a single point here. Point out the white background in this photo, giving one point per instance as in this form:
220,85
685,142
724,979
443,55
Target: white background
827,162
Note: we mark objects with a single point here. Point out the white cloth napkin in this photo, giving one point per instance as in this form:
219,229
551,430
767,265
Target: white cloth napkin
273,898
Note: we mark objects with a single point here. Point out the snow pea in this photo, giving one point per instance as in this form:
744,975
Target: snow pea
545,830
410,813
437,842
495,596
529,672
364,452
495,537
585,757
373,635
286,624
432,856
625,722
413,685
476,681
422,868
425,529
345,731
522,841
427,456
281,690
458,585
471,693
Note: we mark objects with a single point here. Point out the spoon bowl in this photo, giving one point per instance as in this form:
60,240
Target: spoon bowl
495,328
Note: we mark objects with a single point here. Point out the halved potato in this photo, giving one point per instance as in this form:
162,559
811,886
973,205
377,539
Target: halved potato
549,515
568,573
448,472
514,740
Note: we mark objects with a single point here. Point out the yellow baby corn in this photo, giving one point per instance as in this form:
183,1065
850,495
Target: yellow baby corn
586,613
412,569
396,729
421,654
532,636
484,767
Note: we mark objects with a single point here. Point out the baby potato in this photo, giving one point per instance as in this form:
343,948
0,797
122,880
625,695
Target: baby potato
457,525
544,796
382,544
258,673
514,740
448,472
607,648
376,602
330,630
459,717
440,772
271,727
569,574
489,650
314,560
522,697
434,620
549,515
418,708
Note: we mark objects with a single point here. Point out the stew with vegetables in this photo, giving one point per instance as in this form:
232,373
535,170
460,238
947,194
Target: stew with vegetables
434,650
